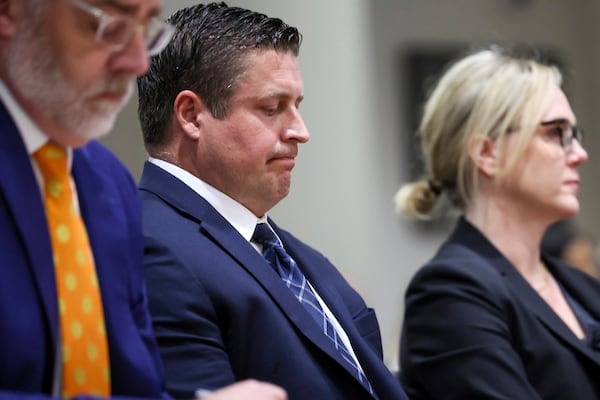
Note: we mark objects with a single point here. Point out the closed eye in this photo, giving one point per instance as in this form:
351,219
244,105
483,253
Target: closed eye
270,111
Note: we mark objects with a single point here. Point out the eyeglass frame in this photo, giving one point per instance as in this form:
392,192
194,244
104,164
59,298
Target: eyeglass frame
565,139
104,18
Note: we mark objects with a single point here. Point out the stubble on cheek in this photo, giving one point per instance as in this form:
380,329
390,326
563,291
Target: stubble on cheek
283,185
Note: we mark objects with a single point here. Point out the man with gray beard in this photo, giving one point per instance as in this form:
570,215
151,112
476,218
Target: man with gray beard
73,316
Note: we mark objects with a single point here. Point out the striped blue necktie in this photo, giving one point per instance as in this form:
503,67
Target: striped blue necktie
295,280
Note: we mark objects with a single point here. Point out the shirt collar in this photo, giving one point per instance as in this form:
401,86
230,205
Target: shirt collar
32,135
242,219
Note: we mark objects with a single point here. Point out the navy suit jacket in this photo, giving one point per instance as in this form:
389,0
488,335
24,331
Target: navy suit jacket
29,320
222,314
474,329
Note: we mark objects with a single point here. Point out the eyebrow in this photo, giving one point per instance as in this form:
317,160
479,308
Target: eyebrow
556,121
279,95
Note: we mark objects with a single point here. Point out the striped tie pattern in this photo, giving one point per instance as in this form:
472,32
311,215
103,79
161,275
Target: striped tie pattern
295,280
85,361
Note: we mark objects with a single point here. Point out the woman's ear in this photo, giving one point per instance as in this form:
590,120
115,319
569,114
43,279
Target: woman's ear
189,111
483,151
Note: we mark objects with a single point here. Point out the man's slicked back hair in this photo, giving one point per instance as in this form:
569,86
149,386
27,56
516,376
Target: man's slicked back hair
207,55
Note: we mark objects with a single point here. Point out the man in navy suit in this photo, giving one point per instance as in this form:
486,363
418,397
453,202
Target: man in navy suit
219,110
66,70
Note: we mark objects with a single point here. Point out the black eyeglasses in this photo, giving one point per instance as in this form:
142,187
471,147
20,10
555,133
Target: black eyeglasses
115,31
563,131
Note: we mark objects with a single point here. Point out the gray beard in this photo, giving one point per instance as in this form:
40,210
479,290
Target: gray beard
34,71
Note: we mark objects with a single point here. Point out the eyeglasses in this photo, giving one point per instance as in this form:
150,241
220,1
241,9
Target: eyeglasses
564,132
115,31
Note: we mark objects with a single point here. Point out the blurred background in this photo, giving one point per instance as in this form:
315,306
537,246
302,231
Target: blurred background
365,64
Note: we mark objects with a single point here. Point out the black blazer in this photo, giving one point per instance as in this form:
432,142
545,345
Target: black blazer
474,328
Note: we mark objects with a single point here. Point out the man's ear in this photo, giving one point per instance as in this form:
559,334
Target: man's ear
484,153
189,111
8,11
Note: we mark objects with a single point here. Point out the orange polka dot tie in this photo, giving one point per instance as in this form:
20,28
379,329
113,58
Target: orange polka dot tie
84,348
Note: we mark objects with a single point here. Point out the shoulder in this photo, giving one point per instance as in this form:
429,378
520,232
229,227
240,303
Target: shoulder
460,282
100,173
458,290
467,255
99,154
97,158
455,262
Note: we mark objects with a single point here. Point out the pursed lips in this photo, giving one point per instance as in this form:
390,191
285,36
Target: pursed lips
288,159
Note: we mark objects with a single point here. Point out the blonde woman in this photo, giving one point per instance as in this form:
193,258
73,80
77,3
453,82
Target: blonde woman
489,316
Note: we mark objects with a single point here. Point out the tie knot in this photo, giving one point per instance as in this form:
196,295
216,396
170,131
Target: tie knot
52,161
264,235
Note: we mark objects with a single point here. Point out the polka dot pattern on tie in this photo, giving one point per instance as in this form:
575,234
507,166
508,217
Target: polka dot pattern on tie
84,345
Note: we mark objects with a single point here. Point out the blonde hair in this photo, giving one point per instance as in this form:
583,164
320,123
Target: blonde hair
489,92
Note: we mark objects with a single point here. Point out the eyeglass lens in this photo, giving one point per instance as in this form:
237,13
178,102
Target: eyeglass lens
115,31
566,132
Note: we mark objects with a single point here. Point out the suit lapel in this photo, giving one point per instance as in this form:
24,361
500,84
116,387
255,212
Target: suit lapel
22,194
587,298
264,274
311,267
523,292
230,241
214,226
585,290
100,211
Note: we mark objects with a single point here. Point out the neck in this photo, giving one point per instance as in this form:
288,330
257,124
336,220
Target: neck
512,230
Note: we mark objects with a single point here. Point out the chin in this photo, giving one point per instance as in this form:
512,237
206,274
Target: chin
569,210
92,126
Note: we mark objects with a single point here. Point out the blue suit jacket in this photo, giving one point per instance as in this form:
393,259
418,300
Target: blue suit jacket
222,314
29,319
474,329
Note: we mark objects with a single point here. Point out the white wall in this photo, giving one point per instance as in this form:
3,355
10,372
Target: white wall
347,174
